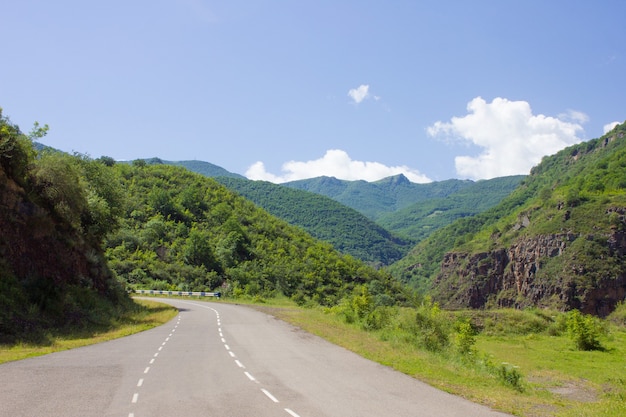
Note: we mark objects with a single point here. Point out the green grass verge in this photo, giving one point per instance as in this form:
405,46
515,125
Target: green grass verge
146,315
556,379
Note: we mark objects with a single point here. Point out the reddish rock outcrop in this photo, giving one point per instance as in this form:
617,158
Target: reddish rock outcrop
513,277
34,245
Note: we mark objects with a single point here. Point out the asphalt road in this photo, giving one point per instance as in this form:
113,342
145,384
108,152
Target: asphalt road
218,360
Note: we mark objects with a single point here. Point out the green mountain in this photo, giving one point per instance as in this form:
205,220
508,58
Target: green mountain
205,168
558,240
418,220
403,211
375,199
183,231
412,210
346,229
77,232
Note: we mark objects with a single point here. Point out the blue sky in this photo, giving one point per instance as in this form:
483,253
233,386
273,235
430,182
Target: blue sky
283,90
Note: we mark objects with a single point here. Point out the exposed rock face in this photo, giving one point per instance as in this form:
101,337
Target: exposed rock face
36,246
513,277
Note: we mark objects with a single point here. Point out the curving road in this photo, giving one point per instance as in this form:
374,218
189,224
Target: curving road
218,360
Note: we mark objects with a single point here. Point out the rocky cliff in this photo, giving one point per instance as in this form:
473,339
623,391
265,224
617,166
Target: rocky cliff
50,274
558,241
544,270
36,245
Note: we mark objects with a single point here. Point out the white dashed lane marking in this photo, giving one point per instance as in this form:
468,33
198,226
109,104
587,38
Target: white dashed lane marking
269,395
230,352
135,398
240,365
291,412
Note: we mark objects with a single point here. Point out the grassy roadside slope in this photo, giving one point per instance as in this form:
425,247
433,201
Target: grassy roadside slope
147,315
555,378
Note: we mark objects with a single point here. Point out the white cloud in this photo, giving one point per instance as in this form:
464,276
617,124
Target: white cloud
512,139
359,94
335,163
574,116
610,126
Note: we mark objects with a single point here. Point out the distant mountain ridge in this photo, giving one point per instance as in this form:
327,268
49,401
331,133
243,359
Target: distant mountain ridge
410,209
418,220
201,167
377,198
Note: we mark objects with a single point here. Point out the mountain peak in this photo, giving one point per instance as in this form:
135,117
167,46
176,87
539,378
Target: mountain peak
395,180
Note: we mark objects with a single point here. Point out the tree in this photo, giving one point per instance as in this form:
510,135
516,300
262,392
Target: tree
38,132
106,160
198,251
16,151
57,179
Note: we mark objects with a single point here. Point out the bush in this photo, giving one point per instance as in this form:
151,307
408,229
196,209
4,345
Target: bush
618,316
510,375
379,318
584,330
432,328
465,338
362,303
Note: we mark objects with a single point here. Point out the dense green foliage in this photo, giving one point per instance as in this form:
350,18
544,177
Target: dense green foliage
55,210
584,330
404,212
159,226
581,190
184,231
346,229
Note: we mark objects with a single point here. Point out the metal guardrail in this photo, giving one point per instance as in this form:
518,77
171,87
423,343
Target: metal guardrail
181,293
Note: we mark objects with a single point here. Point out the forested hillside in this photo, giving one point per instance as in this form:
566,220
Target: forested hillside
55,210
559,240
76,231
403,211
184,231
346,229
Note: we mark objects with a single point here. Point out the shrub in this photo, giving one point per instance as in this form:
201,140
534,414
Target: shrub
379,318
510,375
465,338
432,328
584,330
618,316
362,303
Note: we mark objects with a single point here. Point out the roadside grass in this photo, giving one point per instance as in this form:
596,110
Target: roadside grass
570,382
556,379
146,315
